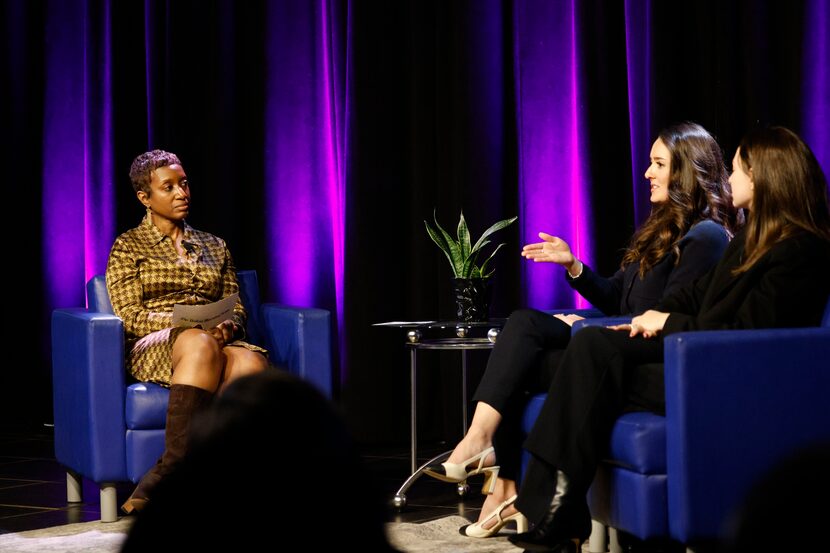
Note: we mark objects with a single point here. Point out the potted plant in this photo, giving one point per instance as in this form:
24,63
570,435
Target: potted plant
471,282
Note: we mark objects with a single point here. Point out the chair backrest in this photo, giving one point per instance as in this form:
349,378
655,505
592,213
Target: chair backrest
98,300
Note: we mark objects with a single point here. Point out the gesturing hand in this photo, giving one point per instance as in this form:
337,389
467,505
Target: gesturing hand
552,250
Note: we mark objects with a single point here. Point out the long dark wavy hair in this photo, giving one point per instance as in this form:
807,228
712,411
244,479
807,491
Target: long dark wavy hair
698,190
789,191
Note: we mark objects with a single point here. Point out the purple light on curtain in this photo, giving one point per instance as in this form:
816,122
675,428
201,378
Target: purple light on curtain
305,139
816,95
638,63
552,179
77,151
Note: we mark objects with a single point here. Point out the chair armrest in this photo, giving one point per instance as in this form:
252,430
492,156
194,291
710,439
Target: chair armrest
587,313
737,402
299,340
599,321
88,393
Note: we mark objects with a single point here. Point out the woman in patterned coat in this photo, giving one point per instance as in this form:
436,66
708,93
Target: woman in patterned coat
154,266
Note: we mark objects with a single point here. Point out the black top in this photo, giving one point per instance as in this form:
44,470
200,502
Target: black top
626,293
788,287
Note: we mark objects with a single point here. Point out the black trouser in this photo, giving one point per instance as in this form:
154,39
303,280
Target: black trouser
521,364
602,374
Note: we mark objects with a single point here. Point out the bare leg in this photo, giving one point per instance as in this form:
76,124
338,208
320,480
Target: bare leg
479,436
240,362
197,360
505,489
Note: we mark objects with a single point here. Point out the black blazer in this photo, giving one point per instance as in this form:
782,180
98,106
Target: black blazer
788,287
626,293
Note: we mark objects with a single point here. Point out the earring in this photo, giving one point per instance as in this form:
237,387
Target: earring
149,211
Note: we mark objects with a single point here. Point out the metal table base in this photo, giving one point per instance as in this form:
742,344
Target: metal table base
463,344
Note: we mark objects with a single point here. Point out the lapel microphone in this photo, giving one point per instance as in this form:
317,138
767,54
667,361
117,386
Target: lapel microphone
189,247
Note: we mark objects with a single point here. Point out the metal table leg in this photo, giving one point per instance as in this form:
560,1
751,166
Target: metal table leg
413,411
464,392
400,495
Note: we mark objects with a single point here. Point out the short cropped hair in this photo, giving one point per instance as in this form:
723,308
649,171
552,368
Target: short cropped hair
143,166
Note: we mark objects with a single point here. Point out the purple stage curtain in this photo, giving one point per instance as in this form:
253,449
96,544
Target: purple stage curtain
78,202
816,81
639,81
553,182
306,150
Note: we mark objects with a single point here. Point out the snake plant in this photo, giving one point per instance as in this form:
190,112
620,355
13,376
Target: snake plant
462,256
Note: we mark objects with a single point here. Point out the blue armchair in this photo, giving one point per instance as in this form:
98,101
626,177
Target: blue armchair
108,429
737,403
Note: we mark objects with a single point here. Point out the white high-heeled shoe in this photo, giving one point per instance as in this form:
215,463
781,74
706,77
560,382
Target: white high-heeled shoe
456,472
477,530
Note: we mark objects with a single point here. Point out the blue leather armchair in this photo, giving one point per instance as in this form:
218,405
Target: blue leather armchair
108,429
737,403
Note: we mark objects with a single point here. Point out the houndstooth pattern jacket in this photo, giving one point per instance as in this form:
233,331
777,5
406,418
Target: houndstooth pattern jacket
146,278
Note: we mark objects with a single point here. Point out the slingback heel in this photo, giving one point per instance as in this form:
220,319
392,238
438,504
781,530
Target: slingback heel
456,472
477,530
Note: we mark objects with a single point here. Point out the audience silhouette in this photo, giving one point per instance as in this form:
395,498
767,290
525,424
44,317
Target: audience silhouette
292,458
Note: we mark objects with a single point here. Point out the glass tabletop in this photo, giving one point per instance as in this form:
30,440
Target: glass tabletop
490,323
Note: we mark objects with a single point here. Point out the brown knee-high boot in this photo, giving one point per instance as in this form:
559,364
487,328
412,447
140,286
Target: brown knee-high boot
184,401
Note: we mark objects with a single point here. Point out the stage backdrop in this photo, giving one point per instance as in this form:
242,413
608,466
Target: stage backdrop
318,136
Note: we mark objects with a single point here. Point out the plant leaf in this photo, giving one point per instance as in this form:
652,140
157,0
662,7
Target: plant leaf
439,240
470,266
484,265
498,226
463,238
454,249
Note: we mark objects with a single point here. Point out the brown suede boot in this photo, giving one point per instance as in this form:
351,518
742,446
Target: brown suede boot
184,402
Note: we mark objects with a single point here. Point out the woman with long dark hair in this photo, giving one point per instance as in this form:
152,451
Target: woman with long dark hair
687,231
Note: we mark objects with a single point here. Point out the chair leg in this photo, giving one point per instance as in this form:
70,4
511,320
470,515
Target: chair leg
615,541
74,487
597,541
109,503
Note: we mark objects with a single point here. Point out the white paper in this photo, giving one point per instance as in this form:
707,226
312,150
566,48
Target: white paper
206,316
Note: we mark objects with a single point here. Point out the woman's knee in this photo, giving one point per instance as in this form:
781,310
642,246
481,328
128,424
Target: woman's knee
243,362
536,325
521,322
197,346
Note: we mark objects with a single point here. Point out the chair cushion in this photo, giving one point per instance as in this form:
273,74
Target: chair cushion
146,406
638,443
144,447
638,440
627,500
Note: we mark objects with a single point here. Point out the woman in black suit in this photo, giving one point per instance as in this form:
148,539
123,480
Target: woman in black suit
775,273
684,236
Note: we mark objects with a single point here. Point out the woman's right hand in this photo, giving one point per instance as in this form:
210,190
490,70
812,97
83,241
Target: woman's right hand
224,332
553,250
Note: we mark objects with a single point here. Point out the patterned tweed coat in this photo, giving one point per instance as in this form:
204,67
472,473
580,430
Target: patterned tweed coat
146,277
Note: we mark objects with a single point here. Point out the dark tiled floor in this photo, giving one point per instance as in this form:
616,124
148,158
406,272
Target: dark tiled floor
33,485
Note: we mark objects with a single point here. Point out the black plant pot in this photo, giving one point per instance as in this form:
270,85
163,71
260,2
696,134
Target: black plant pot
472,299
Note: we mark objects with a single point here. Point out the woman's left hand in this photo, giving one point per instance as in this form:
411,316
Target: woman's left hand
649,324
568,319
224,332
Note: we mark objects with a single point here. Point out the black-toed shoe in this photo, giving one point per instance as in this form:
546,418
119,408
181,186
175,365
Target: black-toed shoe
564,527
